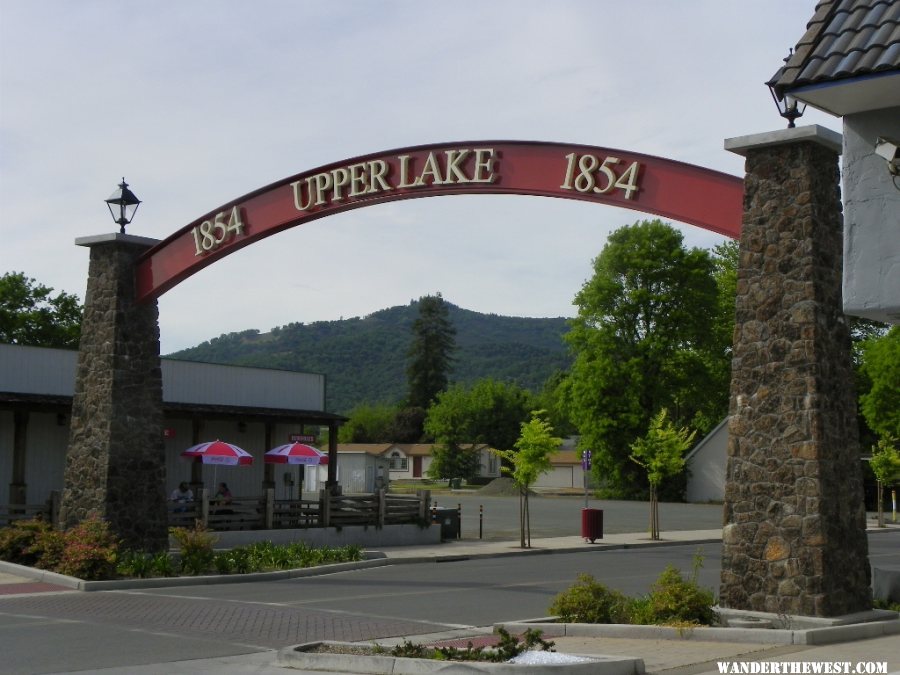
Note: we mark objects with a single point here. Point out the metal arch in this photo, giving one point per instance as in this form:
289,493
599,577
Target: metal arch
664,187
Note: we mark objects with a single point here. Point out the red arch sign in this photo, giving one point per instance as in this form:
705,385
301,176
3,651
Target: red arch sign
663,187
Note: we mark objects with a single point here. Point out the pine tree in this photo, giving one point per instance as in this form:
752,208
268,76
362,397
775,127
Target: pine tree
430,352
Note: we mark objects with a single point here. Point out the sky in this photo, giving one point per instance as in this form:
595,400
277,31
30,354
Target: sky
198,102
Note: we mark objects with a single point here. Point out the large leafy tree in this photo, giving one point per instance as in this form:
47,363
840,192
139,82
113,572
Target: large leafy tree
881,366
885,464
30,314
448,423
496,412
718,350
430,352
488,412
643,340
368,424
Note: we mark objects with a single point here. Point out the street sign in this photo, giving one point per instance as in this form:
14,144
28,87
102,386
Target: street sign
586,460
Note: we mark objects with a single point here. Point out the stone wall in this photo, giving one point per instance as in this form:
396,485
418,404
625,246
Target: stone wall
794,539
115,463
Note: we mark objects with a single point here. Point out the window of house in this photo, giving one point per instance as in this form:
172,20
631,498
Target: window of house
398,461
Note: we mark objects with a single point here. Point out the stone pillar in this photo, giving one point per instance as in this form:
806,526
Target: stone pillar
115,463
794,539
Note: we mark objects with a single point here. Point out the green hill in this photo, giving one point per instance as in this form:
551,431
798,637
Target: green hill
364,359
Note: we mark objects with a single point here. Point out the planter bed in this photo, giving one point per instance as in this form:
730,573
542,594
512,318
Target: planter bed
353,658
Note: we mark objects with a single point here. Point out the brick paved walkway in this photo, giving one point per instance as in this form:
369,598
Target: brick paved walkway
29,587
253,624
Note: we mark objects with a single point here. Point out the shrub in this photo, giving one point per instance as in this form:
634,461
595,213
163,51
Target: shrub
197,553
223,563
675,600
162,565
589,601
18,540
90,551
48,546
243,561
135,564
672,600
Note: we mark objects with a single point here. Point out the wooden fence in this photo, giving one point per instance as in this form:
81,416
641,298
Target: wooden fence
49,511
267,513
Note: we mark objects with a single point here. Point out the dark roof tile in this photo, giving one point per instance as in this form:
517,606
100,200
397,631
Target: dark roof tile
845,39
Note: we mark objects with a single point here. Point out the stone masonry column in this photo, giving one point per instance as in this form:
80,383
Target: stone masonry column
115,463
794,538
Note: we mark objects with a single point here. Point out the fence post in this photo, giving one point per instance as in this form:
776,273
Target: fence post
55,497
424,504
382,507
324,508
270,509
204,507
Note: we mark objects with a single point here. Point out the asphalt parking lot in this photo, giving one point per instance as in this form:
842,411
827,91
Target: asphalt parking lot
497,517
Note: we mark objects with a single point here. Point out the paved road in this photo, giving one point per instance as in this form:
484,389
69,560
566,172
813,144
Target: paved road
561,516
68,632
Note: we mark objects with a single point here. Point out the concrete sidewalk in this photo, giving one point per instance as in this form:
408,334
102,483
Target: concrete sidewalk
472,548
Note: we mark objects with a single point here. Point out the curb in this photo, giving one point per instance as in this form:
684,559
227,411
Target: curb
167,582
774,636
584,548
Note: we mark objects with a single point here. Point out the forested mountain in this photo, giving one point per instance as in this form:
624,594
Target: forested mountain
365,359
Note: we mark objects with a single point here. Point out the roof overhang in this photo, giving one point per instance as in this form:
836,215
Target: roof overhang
62,403
855,95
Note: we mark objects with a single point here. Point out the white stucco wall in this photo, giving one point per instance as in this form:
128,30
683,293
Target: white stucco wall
871,219
46,455
706,466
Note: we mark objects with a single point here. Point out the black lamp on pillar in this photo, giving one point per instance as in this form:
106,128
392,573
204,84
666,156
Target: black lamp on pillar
122,205
789,107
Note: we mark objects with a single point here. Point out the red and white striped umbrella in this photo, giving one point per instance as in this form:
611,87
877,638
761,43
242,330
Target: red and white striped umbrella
218,452
296,453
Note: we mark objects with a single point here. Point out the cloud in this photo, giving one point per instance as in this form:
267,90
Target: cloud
200,101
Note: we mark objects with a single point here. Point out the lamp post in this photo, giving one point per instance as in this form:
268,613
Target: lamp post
789,107
122,205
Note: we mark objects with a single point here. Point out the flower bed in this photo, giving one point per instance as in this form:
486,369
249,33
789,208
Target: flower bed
90,552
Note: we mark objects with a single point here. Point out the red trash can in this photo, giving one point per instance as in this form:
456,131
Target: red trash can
592,524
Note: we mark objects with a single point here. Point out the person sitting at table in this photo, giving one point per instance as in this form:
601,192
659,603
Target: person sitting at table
182,494
223,494
222,498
